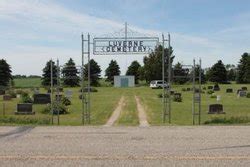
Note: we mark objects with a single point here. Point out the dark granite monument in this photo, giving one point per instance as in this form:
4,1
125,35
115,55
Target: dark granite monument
24,109
86,90
7,97
216,87
2,92
216,109
177,95
41,98
172,92
244,88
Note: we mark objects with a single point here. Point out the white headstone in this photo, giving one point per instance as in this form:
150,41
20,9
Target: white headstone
242,93
69,93
218,98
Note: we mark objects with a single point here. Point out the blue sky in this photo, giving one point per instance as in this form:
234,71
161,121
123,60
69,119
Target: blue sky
33,31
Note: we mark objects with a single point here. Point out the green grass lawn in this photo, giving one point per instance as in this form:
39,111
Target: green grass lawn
106,99
27,82
182,111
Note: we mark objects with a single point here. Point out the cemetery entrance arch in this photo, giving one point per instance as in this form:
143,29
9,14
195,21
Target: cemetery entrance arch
129,42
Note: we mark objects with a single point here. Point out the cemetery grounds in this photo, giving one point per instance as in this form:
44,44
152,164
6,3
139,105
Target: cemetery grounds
105,101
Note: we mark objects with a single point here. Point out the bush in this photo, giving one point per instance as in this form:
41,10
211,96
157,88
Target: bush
20,91
177,99
12,93
213,96
248,95
231,120
66,101
25,98
24,120
57,107
210,92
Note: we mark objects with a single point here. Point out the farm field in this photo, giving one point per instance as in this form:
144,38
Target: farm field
104,102
27,82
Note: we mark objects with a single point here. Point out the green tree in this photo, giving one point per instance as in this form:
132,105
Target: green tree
133,69
197,73
153,63
46,76
243,71
95,72
112,70
180,73
231,72
218,73
5,74
70,74
141,73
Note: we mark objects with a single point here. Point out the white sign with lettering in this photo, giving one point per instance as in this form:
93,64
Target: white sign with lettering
121,45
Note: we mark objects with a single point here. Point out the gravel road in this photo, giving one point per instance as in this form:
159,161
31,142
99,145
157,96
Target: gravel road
125,146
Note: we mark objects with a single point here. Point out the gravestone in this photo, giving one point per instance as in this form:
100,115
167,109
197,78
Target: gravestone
80,96
244,88
6,97
177,95
36,91
197,97
24,109
49,91
239,91
58,97
210,87
218,98
172,92
60,89
42,98
188,89
229,90
197,90
90,89
216,109
2,92
216,87
69,93
242,93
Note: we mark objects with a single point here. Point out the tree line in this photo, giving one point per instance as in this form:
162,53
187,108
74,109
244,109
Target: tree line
150,70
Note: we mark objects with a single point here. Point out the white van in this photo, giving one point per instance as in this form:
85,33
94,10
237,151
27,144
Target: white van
158,84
